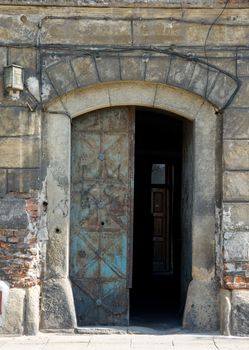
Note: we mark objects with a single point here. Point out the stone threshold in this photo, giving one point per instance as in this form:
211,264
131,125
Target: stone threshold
157,330
127,330
102,330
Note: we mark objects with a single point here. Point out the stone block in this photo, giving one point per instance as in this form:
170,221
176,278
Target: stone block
13,214
16,121
165,31
236,123
4,288
243,67
241,99
132,67
23,180
236,154
225,35
58,180
62,77
108,67
239,313
236,186
120,96
3,182
32,310
159,32
222,90
201,310
95,97
181,71
57,306
17,152
25,57
3,58
236,217
224,63
184,104
86,32
202,79
203,254
15,30
236,246
157,68
85,70
14,312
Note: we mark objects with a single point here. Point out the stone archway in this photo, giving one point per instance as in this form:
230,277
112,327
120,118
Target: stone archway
201,310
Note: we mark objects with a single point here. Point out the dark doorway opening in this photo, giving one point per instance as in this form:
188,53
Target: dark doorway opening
156,297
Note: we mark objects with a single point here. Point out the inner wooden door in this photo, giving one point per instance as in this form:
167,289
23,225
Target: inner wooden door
162,181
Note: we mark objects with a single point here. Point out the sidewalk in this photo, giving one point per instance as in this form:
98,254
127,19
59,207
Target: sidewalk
124,342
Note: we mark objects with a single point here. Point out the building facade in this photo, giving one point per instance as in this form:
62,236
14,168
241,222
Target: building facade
116,93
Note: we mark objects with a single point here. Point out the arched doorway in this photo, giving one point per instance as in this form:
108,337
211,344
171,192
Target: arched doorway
121,272
201,310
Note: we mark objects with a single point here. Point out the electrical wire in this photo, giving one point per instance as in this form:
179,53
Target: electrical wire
44,50
206,40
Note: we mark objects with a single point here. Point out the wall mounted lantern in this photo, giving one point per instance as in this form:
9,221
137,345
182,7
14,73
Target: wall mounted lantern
13,80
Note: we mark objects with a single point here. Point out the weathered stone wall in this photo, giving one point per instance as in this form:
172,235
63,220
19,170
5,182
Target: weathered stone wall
20,134
132,3
193,45
235,202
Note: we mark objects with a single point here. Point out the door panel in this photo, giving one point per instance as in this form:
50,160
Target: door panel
161,210
101,197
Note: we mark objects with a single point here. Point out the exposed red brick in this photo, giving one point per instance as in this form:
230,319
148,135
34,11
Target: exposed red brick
5,257
32,208
4,245
25,284
18,248
236,282
8,232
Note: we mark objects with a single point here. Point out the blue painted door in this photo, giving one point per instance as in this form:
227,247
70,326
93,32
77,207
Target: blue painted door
101,215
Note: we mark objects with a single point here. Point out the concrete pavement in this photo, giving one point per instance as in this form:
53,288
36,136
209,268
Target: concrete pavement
45,341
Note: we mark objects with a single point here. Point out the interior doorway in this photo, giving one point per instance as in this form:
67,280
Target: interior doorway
160,276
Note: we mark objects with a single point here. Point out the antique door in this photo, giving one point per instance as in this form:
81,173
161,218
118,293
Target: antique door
158,210
161,210
101,215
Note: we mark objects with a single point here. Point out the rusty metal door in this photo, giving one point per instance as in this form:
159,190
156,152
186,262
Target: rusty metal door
101,215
